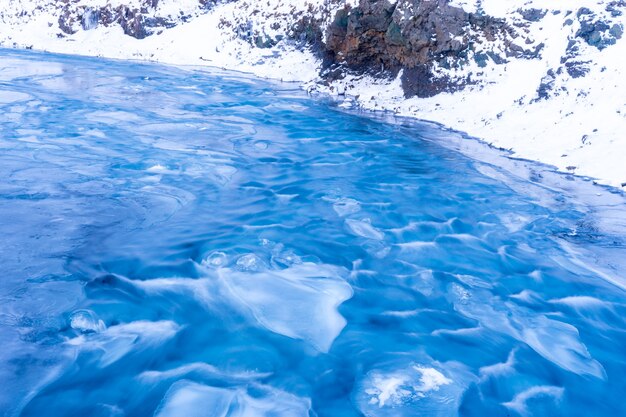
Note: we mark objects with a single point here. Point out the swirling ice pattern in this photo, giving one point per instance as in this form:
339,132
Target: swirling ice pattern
192,243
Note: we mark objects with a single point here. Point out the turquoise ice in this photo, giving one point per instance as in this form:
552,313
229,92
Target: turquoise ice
193,242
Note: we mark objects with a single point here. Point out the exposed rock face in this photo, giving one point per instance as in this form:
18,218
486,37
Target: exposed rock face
424,40
415,36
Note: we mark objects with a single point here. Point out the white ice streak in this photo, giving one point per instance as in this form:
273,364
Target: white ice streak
202,371
364,228
299,301
190,399
413,389
518,403
116,342
8,96
582,302
498,369
556,341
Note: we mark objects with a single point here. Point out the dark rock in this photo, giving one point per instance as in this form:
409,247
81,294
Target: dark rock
419,81
616,31
577,69
597,32
532,15
546,86
131,20
67,21
308,31
614,7
481,59
157,22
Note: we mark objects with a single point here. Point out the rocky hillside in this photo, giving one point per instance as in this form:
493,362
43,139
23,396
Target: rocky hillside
544,80
415,38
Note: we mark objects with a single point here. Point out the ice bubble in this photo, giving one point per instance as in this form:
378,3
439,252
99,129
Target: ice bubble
215,260
431,379
86,321
284,258
388,389
415,389
398,388
250,263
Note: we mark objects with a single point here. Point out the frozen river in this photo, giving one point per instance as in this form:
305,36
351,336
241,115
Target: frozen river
180,243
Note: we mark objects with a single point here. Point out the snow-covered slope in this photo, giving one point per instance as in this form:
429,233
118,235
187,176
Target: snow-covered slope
565,106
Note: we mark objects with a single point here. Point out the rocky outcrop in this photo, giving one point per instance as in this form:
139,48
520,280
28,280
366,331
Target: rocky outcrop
596,31
417,37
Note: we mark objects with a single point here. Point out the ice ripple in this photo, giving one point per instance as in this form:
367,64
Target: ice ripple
556,341
190,399
299,302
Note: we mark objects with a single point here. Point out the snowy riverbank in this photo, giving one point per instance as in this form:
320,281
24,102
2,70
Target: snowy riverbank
565,107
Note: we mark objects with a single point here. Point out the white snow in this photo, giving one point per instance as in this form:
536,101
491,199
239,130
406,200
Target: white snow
579,129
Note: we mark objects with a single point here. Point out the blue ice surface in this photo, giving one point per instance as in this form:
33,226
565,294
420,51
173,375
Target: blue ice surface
185,242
